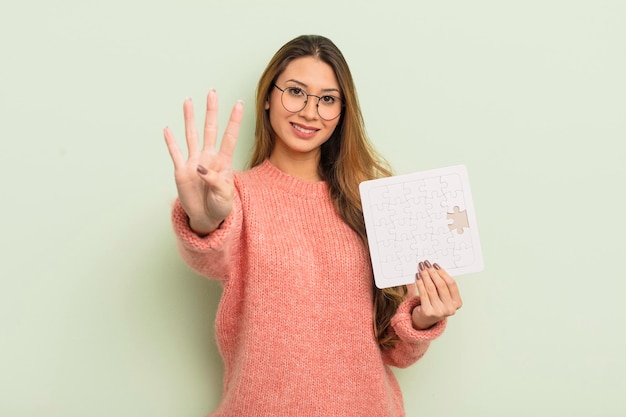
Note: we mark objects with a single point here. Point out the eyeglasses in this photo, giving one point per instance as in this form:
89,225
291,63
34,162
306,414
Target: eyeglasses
294,99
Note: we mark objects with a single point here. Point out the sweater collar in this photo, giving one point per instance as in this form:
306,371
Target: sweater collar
291,184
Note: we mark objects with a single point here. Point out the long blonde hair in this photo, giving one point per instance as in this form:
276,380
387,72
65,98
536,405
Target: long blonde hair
347,157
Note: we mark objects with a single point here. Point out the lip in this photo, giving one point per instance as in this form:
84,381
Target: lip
303,131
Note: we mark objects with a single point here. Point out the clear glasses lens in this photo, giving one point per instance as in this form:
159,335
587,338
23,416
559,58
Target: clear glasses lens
295,99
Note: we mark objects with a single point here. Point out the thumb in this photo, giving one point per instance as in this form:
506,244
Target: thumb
219,184
210,177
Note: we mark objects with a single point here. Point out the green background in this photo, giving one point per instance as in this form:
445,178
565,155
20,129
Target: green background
100,317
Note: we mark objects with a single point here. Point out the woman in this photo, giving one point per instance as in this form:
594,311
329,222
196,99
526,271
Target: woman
301,328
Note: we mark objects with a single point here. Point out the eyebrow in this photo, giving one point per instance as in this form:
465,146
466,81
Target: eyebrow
306,86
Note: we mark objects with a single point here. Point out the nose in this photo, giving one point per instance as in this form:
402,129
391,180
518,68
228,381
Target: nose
309,111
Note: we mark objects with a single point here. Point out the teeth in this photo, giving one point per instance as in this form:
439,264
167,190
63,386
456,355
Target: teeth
302,129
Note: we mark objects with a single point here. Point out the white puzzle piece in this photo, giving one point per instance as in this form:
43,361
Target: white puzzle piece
424,215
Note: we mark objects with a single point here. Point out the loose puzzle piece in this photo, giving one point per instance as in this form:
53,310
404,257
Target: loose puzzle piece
425,215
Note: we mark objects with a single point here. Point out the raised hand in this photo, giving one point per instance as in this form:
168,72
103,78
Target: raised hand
205,179
438,293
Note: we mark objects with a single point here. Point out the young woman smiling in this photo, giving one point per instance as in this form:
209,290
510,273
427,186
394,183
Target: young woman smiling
301,327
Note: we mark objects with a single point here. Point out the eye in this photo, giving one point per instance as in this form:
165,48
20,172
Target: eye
328,100
296,92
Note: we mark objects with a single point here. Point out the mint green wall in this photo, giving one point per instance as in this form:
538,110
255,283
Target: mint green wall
99,316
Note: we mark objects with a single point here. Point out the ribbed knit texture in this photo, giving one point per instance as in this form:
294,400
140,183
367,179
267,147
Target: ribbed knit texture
295,322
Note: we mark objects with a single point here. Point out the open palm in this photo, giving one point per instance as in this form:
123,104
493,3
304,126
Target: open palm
205,179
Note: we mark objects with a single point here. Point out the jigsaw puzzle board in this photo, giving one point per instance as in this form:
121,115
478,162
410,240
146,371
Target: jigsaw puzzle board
424,215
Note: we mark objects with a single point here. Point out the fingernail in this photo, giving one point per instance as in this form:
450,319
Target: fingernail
421,266
436,266
418,276
428,265
202,170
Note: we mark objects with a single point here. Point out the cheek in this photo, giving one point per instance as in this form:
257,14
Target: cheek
275,118
275,109
332,126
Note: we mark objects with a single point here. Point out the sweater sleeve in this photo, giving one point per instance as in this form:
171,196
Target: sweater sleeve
413,343
211,255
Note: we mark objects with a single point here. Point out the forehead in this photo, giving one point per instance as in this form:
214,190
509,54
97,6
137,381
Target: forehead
311,72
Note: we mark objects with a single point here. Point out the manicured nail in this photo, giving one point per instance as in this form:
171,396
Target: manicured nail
202,170
436,266
428,265
421,266
418,276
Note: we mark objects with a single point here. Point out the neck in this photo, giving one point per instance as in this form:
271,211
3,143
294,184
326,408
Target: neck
303,166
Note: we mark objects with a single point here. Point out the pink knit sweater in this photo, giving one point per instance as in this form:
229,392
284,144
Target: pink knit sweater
294,325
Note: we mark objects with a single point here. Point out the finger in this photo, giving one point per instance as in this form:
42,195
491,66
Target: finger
429,285
453,288
191,134
209,176
173,148
210,121
441,286
422,291
227,148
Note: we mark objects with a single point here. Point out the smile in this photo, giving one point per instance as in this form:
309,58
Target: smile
303,130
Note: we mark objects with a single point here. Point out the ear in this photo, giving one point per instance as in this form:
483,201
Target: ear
267,103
